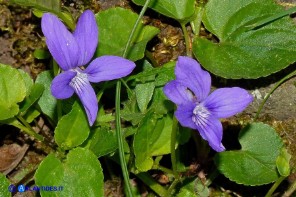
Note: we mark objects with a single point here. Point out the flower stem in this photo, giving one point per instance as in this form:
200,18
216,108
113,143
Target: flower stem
173,185
28,129
164,169
173,156
211,177
148,180
23,125
120,141
173,149
187,40
272,90
274,186
126,86
129,41
117,108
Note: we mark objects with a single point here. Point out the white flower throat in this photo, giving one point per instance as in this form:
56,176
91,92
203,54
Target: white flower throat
200,114
79,81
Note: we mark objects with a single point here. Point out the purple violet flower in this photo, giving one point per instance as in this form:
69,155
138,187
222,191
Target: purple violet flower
71,52
197,109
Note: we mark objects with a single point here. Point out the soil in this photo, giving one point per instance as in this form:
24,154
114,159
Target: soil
20,35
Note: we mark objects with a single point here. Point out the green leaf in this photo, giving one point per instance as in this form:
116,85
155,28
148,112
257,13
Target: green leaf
141,143
166,68
4,186
129,131
103,142
31,114
160,138
160,103
44,5
193,187
47,102
274,17
282,163
50,171
240,52
12,91
72,129
167,75
106,118
67,104
113,38
134,118
32,97
176,9
152,139
130,111
255,163
33,93
144,94
38,14
79,175
28,81
144,91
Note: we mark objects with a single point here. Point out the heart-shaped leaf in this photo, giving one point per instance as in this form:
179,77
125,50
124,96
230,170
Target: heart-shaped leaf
113,38
79,175
255,163
176,9
12,91
241,52
73,128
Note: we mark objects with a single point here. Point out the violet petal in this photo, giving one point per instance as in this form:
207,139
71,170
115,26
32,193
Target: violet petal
226,102
60,42
211,130
86,35
184,115
107,68
87,95
190,74
177,93
60,87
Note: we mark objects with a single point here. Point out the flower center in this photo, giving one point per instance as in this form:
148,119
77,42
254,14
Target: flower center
200,114
79,81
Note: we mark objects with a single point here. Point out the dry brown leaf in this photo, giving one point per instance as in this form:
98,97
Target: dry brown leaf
10,156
